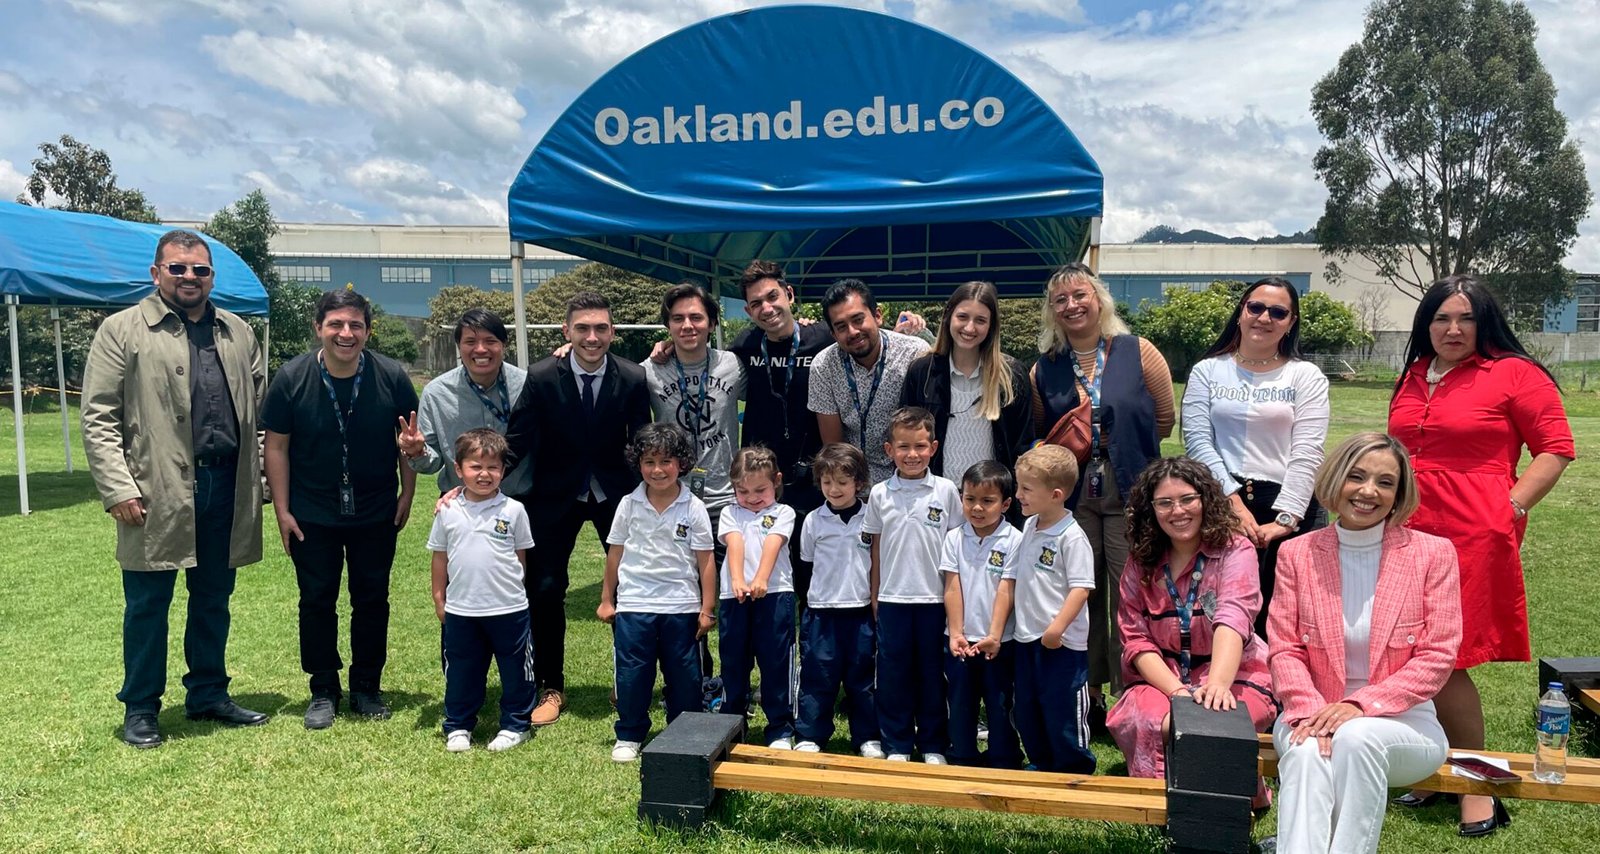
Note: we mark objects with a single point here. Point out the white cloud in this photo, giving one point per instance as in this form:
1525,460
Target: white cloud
12,181
419,196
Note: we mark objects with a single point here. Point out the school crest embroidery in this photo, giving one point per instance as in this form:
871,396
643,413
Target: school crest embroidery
768,521
997,558
502,526
1047,559
935,514
681,532
866,540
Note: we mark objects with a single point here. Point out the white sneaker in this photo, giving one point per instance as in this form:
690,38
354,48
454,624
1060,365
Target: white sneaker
625,751
458,741
872,749
509,738
899,757
934,759
782,744
808,747
983,734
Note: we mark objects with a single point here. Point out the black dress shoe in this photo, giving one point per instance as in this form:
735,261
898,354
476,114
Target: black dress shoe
319,715
142,731
369,704
1414,801
1500,819
1097,717
230,713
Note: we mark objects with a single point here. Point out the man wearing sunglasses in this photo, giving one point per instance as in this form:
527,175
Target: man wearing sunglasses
170,393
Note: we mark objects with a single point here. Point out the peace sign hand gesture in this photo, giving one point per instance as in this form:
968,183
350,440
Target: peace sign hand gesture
410,438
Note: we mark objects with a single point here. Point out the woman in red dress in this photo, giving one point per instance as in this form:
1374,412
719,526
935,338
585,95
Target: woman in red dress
1470,398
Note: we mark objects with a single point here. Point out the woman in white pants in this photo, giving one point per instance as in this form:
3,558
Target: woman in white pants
1363,632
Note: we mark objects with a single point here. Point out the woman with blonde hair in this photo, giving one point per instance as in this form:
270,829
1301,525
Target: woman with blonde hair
1086,350
1362,633
978,395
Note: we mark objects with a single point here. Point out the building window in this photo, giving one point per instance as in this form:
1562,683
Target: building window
530,275
406,275
1587,296
304,275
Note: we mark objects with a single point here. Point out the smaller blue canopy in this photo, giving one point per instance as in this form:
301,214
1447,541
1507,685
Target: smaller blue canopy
50,257
837,142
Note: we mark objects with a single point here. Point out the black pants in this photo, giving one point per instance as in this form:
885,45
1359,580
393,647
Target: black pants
319,562
147,598
1258,496
555,533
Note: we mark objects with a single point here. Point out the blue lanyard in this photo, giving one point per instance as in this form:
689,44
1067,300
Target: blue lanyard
788,375
1185,608
340,413
502,413
1093,390
699,411
855,393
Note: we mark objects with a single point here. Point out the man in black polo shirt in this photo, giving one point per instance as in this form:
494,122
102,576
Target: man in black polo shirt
333,467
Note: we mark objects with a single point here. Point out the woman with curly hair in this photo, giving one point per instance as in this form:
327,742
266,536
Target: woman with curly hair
1190,593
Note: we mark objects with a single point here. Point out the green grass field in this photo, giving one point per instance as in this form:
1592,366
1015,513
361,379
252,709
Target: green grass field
67,783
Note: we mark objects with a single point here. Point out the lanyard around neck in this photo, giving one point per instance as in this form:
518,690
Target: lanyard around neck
1092,389
877,378
502,413
340,414
1184,607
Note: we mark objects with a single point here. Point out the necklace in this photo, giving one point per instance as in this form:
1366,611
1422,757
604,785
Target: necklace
1089,352
1434,375
1260,363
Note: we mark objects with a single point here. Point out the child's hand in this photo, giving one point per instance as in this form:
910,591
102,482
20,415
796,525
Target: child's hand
438,610
707,622
1052,637
958,645
758,589
741,591
606,612
989,647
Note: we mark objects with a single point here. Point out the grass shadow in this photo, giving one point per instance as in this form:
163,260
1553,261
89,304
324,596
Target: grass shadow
47,490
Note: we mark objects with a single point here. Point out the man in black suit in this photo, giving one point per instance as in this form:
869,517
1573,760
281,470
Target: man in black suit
574,418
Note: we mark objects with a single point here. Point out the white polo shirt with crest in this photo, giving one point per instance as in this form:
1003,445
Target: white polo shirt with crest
981,563
658,573
1050,563
755,526
480,540
909,519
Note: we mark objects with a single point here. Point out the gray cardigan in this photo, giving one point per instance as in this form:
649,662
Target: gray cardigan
450,407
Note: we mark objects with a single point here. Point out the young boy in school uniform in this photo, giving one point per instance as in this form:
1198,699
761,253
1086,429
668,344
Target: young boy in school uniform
836,642
660,589
979,568
907,518
1055,572
480,542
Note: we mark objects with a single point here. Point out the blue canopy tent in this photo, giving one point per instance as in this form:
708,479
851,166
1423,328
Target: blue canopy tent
63,259
836,142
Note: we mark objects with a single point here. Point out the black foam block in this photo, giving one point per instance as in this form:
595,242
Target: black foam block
675,769
1211,751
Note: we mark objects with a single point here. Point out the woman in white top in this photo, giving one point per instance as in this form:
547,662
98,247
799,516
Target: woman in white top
1363,634
1256,414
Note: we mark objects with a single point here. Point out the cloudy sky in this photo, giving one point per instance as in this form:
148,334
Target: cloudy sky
422,111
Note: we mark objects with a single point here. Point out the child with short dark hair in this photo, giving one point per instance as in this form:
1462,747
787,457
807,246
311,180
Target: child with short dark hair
980,574
836,643
1055,573
659,588
907,518
758,593
480,543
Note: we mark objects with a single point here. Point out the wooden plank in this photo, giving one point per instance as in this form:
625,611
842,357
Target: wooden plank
752,754
925,791
1582,785
1589,698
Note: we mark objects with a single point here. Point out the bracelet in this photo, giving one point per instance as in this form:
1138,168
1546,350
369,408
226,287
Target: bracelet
1177,689
1518,512
711,617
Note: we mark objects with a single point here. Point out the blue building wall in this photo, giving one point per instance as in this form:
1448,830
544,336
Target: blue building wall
407,294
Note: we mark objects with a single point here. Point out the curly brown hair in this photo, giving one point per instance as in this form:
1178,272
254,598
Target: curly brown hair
1146,541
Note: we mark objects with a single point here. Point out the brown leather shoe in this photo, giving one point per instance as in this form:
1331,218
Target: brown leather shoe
551,704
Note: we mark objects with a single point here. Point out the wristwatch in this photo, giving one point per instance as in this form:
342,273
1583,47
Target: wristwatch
1287,520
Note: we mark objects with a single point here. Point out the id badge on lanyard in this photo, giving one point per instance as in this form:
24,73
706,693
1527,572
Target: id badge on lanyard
697,483
1096,476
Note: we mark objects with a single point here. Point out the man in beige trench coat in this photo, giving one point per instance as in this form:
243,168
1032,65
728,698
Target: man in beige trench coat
170,394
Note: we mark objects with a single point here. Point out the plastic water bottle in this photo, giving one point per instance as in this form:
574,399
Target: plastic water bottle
1555,722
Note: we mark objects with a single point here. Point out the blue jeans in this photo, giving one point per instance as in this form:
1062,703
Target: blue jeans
147,598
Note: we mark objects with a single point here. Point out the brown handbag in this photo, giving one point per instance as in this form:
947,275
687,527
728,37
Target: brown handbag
1074,430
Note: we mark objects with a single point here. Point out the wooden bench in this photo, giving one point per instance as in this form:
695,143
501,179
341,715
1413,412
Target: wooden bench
1204,804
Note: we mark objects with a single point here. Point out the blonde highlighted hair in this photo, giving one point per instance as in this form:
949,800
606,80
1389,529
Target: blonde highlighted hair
756,458
1051,338
997,390
1336,469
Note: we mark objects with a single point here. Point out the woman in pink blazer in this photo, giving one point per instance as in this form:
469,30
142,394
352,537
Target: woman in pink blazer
1362,632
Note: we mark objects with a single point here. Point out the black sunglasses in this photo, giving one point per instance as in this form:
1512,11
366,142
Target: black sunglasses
201,271
1276,312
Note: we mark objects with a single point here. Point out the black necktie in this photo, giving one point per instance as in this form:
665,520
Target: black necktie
588,394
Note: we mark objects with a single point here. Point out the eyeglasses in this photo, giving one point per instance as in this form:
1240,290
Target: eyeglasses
201,271
1276,312
1167,505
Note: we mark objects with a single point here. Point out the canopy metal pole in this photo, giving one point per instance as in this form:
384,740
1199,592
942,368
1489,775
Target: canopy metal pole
1094,245
16,407
266,343
519,307
61,388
